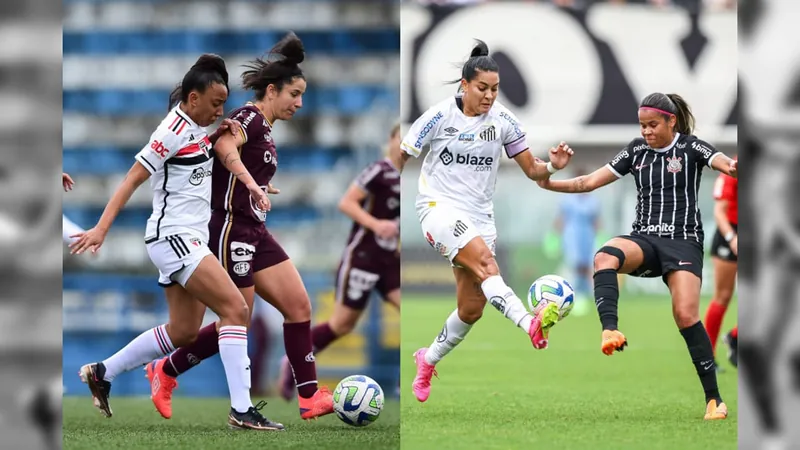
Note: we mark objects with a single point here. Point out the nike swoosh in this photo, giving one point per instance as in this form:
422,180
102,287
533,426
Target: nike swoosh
684,263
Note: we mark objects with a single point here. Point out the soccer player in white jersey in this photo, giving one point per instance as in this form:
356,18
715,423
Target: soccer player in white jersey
178,162
467,134
68,227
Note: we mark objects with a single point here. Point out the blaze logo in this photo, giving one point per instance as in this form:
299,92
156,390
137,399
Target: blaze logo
159,149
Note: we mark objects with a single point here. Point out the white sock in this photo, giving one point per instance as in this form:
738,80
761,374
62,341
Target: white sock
504,300
233,352
152,344
453,332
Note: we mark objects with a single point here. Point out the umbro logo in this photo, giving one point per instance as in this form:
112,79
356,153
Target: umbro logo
451,130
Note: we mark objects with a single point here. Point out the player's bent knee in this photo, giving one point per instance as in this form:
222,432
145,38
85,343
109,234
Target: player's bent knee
608,258
685,317
469,315
299,310
234,312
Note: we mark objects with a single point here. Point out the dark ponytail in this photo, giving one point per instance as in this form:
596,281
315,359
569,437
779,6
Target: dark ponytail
479,60
672,104
281,66
208,69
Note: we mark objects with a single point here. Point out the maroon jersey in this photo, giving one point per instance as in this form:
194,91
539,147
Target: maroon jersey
381,181
258,155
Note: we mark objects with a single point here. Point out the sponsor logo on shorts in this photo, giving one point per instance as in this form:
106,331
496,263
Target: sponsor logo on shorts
438,246
459,228
242,252
241,268
662,228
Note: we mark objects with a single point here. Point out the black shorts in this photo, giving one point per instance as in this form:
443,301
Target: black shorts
662,256
720,247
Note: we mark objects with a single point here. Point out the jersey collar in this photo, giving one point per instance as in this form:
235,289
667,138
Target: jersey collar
669,147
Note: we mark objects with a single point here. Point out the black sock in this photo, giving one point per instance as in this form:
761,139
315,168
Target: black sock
606,294
699,345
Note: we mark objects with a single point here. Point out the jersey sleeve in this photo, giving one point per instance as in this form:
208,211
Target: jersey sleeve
252,124
704,152
512,134
725,188
422,132
621,164
368,177
164,144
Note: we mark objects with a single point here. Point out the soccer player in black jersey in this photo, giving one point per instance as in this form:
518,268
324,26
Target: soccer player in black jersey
667,237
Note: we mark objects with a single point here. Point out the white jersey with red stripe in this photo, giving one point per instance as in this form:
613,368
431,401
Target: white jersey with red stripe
178,157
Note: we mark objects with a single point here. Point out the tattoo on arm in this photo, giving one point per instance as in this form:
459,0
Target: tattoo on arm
580,184
228,161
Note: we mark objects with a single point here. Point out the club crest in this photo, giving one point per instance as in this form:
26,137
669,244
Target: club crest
674,165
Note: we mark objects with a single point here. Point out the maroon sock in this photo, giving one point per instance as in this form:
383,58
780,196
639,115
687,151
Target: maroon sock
183,359
297,340
322,336
259,353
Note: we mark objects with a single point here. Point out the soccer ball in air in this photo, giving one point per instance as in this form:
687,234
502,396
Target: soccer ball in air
358,400
551,289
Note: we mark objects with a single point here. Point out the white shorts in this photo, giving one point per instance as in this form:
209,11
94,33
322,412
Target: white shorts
177,256
448,229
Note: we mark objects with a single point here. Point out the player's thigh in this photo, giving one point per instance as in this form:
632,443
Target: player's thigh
211,284
626,254
469,295
185,315
684,287
344,318
456,237
724,279
235,246
282,287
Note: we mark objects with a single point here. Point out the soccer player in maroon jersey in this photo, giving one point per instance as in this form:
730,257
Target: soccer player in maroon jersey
724,252
238,236
371,260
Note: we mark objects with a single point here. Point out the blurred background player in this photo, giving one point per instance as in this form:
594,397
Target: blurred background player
578,222
724,253
118,89
371,260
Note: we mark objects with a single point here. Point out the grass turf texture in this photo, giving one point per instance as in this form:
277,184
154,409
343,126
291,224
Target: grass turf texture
202,424
496,392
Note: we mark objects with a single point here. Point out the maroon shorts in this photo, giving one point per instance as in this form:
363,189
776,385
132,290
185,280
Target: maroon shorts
361,272
244,247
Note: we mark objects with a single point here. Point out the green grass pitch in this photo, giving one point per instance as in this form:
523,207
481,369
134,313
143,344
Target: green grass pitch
202,424
496,392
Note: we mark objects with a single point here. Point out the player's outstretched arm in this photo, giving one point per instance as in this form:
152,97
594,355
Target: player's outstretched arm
722,163
585,183
92,239
536,169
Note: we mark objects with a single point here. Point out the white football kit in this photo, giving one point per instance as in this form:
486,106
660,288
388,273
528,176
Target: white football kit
459,173
178,157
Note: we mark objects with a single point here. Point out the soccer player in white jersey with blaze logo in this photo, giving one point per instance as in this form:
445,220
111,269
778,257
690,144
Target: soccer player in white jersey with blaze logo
467,135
